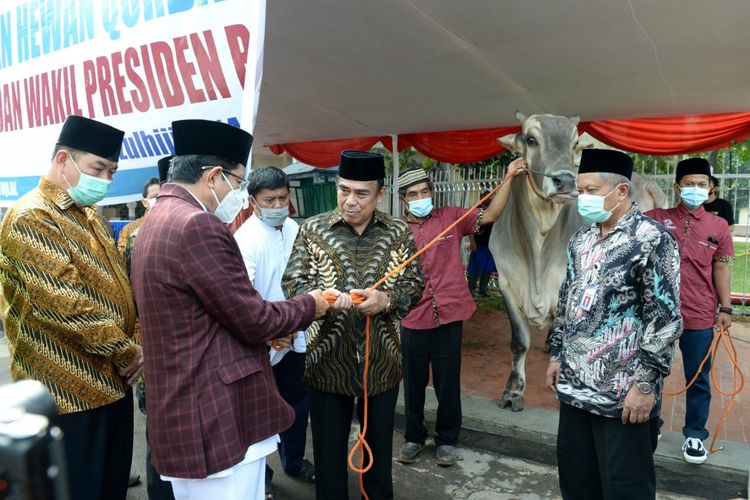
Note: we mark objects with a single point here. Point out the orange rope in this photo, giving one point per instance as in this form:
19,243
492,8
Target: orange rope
738,379
532,185
361,444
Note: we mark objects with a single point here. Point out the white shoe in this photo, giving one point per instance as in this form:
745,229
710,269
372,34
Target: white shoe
694,451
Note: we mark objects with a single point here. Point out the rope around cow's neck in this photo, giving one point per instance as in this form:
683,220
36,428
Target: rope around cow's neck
532,184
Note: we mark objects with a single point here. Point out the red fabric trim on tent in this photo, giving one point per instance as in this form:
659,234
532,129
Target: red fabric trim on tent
323,154
671,135
658,136
460,146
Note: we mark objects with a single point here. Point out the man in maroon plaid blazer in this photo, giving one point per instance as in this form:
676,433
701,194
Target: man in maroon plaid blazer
213,408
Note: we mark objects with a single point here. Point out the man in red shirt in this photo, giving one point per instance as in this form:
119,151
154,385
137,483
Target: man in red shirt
706,248
431,333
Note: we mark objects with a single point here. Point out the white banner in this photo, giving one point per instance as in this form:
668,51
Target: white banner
134,64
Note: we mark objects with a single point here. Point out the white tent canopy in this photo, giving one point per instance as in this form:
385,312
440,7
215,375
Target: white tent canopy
339,68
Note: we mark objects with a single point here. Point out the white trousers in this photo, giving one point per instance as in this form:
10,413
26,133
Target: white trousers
246,482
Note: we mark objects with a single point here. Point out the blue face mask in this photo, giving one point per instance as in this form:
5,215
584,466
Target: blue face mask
591,207
274,217
693,196
421,208
89,190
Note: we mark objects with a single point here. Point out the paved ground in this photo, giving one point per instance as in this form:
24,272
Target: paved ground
478,476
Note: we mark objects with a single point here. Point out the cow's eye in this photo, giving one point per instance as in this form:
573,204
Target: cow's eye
531,141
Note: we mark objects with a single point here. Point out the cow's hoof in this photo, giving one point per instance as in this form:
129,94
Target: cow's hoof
516,404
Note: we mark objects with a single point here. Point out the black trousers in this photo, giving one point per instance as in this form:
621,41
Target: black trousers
441,348
600,458
289,379
331,420
156,488
288,374
99,450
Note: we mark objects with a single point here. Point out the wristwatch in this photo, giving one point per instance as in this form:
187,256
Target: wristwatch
645,387
727,310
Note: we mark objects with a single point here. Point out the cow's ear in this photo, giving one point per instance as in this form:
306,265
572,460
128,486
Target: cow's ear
509,142
521,117
575,120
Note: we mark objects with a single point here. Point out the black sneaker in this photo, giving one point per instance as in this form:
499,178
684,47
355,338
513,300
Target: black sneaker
694,451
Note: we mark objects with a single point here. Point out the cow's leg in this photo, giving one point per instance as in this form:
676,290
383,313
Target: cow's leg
519,346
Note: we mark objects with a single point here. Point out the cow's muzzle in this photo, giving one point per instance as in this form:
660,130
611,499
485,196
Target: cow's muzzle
564,182
564,187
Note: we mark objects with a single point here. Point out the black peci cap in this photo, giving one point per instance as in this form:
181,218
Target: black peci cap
692,166
91,136
164,164
361,166
207,137
606,161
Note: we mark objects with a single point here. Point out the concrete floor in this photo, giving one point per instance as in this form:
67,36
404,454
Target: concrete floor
479,475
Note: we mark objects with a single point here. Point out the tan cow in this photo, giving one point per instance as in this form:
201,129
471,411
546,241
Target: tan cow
529,240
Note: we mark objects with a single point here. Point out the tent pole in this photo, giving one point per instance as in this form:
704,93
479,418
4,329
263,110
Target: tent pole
396,172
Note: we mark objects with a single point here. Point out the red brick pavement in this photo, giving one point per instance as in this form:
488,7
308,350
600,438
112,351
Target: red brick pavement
486,365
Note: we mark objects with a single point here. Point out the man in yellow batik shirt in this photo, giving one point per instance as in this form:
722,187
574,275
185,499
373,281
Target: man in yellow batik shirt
68,309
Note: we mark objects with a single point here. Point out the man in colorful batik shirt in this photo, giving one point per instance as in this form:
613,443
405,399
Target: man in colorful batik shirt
350,249
613,337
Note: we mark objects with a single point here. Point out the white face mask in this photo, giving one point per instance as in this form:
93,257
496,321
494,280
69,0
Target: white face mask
150,202
228,208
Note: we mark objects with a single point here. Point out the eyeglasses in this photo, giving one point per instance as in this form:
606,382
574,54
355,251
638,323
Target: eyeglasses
243,182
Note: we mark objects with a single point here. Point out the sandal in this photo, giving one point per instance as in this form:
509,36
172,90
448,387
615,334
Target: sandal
306,472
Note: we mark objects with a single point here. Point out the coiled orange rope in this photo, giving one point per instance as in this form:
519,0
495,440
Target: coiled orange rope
738,379
361,446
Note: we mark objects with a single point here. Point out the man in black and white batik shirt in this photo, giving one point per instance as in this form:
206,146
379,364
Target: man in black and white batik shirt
618,317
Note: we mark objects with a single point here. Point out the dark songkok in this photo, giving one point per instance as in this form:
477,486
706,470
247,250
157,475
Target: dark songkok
606,161
412,176
92,137
164,164
361,166
692,166
207,137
